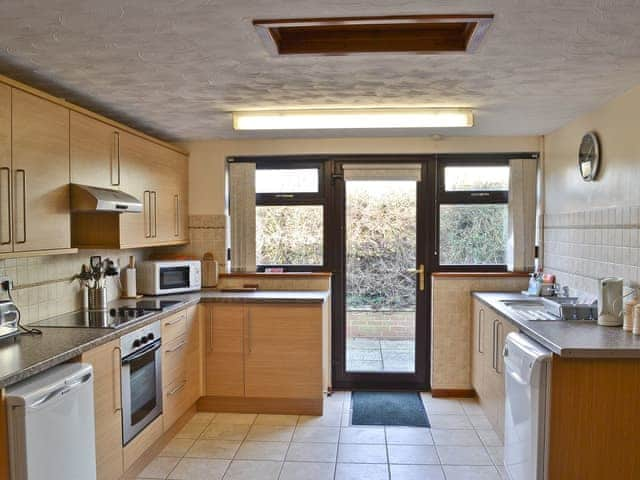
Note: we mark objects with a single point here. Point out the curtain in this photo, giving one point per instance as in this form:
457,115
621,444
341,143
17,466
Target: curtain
242,210
387,171
521,223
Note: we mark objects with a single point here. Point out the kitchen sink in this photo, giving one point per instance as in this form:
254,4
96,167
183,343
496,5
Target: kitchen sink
524,304
552,309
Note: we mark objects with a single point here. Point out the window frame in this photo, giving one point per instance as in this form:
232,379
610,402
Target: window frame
318,198
469,197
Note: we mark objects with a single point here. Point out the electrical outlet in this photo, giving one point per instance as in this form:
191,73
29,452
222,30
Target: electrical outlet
3,280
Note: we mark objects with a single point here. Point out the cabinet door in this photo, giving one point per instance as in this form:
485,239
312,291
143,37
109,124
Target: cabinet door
108,409
224,367
94,152
283,352
171,191
6,242
489,400
194,355
478,347
40,151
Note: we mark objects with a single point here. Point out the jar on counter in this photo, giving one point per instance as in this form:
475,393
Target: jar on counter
636,320
629,311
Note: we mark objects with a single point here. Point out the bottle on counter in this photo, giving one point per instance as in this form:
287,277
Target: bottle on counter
629,312
636,320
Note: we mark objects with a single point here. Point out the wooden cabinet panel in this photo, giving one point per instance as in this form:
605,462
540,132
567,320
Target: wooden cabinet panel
283,352
6,243
108,409
224,366
194,354
94,152
174,326
40,158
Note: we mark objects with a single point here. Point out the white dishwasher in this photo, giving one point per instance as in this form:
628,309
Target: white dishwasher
51,425
527,376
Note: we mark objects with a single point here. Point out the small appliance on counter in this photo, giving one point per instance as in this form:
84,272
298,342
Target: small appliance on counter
130,289
209,271
163,277
610,302
9,316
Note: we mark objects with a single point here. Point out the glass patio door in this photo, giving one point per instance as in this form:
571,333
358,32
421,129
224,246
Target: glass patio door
383,276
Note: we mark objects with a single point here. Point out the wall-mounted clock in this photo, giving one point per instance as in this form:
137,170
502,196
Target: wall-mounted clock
589,157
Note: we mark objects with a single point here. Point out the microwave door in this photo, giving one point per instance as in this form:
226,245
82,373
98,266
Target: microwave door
172,278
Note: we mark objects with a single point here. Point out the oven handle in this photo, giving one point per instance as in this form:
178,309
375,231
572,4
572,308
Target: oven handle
143,351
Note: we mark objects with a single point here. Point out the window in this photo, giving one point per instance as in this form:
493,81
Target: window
289,215
472,214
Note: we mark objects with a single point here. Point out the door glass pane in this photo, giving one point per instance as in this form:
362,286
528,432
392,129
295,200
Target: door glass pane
380,292
287,180
464,179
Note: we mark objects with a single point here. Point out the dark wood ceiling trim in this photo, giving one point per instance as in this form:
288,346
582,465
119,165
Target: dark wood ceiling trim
418,34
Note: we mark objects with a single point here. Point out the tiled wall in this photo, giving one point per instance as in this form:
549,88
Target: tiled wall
207,234
43,286
581,247
451,324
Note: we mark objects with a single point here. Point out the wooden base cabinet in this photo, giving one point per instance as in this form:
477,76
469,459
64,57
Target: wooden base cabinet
105,360
269,355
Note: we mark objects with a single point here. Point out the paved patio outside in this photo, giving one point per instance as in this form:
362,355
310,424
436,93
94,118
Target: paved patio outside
376,355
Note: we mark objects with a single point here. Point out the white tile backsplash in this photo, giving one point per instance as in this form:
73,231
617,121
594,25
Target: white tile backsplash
582,247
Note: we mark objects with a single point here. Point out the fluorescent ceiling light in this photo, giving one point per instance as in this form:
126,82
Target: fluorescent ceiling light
353,118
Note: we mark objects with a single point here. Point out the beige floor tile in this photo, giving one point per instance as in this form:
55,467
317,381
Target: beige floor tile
489,438
346,419
463,456
202,417
191,430
462,438
480,422
471,473
413,454
284,420
329,419
271,433
362,453
305,434
262,451
307,471
449,421
226,431
444,406
408,436
370,435
497,455
416,472
235,418
361,471
199,469
203,448
471,406
253,470
159,467
177,447
312,452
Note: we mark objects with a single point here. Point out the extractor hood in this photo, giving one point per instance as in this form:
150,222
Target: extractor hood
85,198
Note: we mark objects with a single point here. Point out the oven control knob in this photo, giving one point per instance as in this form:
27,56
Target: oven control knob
143,340
136,343
112,312
121,311
150,337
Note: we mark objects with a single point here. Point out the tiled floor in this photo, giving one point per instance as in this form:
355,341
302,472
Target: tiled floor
373,355
460,445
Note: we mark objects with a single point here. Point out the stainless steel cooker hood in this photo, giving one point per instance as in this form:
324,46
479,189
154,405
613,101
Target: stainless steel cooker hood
85,198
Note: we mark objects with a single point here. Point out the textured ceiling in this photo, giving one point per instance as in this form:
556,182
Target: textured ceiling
176,68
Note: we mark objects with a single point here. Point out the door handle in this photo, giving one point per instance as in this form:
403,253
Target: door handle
115,160
176,200
480,329
155,214
249,330
117,401
8,204
24,204
494,345
498,349
210,324
147,220
420,272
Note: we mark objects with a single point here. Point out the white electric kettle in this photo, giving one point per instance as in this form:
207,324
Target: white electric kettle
610,312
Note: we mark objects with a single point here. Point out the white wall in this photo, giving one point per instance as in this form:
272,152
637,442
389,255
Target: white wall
592,228
207,158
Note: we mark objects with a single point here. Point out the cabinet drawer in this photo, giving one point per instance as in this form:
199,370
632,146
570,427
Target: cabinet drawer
174,360
174,326
177,400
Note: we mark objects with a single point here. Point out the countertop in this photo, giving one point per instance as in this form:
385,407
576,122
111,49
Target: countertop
567,338
32,354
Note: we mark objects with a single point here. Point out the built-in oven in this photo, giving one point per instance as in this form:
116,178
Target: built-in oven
141,376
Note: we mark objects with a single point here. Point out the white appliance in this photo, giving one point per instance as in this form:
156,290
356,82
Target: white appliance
51,426
610,302
527,385
168,276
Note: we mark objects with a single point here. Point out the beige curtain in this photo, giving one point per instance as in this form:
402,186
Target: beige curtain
242,210
378,171
522,214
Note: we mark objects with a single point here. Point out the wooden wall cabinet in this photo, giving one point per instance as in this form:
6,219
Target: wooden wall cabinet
105,360
6,200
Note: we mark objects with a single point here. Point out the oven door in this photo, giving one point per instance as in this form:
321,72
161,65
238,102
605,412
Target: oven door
141,389
174,278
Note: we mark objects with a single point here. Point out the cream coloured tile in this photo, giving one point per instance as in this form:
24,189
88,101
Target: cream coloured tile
416,472
284,420
489,438
312,452
463,456
199,469
369,435
224,449
177,447
262,451
471,472
226,431
463,438
362,453
449,421
271,433
307,471
253,470
307,434
235,418
191,430
360,471
408,436
413,454
159,467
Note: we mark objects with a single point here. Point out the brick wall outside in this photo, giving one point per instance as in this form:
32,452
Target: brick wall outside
384,325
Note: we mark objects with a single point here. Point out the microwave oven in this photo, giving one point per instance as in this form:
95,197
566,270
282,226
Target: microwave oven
162,277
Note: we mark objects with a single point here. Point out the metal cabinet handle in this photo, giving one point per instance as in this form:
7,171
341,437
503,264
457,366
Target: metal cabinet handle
147,220
210,323
174,321
494,346
8,204
117,401
499,328
176,348
176,200
480,329
177,389
249,322
115,159
24,204
155,214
